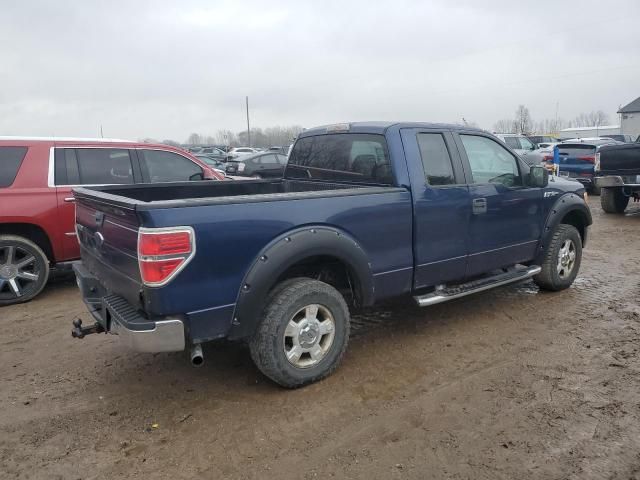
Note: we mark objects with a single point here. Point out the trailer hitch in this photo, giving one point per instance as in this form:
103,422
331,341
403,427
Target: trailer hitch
79,331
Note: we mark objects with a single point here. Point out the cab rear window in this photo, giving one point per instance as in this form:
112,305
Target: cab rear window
341,157
10,161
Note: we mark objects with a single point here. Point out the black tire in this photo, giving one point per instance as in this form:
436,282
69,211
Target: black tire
19,284
613,200
268,344
550,278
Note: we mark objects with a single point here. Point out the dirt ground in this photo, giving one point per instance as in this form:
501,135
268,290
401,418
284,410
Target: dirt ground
512,384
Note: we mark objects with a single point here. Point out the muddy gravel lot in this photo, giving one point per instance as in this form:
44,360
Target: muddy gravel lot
513,383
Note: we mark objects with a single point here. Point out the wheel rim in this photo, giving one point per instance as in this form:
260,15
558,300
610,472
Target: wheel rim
19,272
566,258
309,336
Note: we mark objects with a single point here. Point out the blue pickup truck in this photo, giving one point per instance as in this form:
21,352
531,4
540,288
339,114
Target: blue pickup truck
364,212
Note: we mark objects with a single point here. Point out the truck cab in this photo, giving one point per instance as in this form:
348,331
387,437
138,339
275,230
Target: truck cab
364,212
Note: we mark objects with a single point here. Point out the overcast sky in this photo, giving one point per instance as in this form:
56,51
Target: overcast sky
167,69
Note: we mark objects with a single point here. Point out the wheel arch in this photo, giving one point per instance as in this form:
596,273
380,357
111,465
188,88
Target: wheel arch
569,209
310,248
32,232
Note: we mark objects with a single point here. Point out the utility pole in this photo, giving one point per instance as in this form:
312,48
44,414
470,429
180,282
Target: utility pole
248,127
101,134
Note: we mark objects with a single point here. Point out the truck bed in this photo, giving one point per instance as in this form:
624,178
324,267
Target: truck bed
171,195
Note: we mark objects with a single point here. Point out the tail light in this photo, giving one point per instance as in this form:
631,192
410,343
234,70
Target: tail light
163,253
241,167
588,158
547,158
596,166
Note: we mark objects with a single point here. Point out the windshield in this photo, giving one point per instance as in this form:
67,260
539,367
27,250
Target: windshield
342,157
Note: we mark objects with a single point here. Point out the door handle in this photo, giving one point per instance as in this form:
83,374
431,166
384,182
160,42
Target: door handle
479,206
69,199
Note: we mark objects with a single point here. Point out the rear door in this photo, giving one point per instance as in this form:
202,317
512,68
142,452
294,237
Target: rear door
160,166
83,166
506,215
442,206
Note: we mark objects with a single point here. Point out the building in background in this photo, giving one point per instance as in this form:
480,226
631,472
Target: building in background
630,118
589,132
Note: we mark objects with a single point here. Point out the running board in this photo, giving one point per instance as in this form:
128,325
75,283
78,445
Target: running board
446,294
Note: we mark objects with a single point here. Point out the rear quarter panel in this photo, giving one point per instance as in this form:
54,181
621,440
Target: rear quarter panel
229,238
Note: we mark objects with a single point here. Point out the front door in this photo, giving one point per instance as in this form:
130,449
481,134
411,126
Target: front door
441,206
506,214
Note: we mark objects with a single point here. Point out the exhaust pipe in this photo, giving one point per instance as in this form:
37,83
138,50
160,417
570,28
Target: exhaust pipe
197,358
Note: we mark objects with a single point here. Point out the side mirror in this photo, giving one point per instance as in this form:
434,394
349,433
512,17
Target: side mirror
538,176
196,176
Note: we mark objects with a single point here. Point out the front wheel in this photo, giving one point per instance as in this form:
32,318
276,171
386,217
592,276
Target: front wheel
303,334
24,269
562,259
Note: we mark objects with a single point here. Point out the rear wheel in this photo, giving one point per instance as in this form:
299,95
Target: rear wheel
613,200
562,259
24,269
303,333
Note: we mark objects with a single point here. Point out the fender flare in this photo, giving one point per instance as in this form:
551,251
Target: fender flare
565,204
287,250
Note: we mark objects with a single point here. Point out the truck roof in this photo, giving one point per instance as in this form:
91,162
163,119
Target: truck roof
378,127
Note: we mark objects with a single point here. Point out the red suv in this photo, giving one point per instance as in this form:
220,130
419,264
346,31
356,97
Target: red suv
37,214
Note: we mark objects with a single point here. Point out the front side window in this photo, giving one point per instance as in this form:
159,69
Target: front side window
435,159
526,143
490,162
10,161
282,159
103,166
341,157
165,166
512,142
268,159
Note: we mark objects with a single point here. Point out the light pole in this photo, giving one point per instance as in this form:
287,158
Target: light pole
248,127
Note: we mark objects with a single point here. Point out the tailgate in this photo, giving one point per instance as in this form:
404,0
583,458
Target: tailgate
108,236
620,160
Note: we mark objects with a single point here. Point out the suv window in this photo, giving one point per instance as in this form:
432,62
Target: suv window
104,166
268,159
165,166
490,162
10,161
525,143
436,160
512,142
342,157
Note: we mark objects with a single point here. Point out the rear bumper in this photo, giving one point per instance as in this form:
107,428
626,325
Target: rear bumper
619,181
118,317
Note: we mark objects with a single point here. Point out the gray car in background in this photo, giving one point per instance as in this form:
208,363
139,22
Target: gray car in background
524,147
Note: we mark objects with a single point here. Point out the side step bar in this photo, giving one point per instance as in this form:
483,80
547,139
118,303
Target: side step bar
457,291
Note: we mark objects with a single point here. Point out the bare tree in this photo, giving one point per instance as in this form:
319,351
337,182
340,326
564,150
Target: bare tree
594,118
523,123
194,139
503,126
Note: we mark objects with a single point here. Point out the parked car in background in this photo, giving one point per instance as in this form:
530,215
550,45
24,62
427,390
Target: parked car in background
357,219
621,138
212,151
240,151
543,141
617,170
217,162
258,165
578,157
522,146
37,211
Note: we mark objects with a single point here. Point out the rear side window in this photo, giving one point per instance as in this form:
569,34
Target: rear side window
103,166
435,159
512,142
343,157
168,166
10,161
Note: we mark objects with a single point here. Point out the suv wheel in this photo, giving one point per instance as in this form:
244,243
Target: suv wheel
303,333
24,269
562,259
613,200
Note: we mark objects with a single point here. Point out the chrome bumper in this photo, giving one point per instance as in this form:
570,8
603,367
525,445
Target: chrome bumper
166,336
618,181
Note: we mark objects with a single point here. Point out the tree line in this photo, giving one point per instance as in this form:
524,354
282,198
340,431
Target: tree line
524,124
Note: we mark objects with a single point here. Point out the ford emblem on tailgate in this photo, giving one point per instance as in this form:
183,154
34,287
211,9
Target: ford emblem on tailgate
99,218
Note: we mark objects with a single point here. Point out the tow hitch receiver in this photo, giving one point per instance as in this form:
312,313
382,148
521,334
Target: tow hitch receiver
79,331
